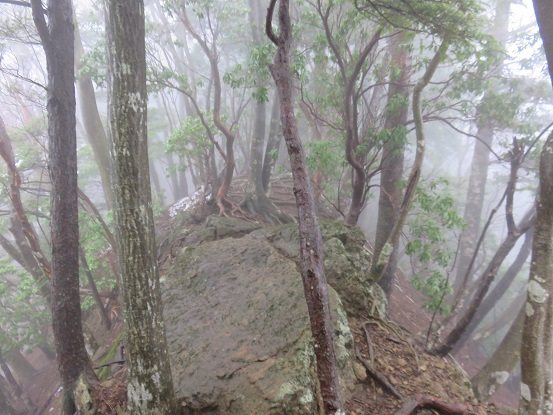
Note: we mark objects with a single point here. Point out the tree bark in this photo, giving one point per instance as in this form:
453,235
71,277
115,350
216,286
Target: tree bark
150,386
502,362
212,56
57,37
273,144
536,394
536,352
311,247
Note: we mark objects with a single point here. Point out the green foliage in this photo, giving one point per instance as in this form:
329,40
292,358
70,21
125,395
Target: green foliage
24,313
93,63
326,156
433,224
95,245
190,140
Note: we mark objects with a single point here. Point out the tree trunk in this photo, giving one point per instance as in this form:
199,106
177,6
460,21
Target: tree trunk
5,406
380,263
536,393
536,387
498,291
487,279
213,58
502,362
150,386
273,144
476,191
95,294
21,366
311,247
93,127
392,162
16,389
57,37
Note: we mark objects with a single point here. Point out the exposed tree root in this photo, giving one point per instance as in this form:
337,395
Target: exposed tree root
379,377
429,402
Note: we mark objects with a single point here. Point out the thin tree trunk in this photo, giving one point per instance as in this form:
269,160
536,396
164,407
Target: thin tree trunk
311,247
476,190
502,362
6,152
487,278
95,294
499,290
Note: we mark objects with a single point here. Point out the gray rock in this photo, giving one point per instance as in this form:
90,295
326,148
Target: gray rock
237,323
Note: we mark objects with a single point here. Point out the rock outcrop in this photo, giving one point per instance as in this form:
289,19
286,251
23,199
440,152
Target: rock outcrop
236,319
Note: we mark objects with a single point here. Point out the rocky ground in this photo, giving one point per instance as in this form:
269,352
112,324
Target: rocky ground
394,348
396,353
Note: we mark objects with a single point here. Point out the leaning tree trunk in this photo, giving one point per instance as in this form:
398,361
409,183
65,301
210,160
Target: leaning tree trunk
150,386
311,247
56,36
498,291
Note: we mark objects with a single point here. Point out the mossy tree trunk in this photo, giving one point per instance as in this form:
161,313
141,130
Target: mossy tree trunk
150,386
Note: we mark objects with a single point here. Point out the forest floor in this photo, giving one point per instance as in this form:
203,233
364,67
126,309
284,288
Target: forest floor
396,350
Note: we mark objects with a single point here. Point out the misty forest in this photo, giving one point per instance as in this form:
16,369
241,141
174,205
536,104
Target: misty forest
276,207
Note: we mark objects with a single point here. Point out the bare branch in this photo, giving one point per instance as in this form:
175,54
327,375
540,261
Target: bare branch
16,3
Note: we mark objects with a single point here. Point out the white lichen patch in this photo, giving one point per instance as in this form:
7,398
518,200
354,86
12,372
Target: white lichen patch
307,398
500,377
126,69
135,101
525,392
138,393
536,292
529,310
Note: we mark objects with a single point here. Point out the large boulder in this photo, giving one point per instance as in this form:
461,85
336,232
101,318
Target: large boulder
237,323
